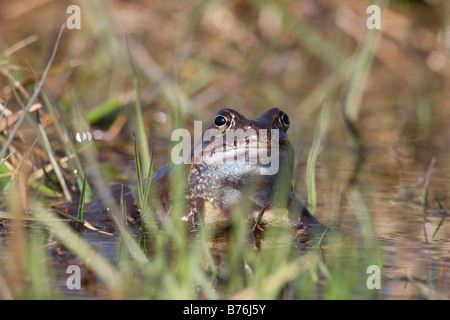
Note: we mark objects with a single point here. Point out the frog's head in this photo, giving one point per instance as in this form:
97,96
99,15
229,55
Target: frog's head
246,144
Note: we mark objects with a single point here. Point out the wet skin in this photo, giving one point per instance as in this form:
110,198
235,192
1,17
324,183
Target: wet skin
217,187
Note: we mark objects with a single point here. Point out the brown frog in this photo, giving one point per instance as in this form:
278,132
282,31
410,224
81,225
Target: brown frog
241,160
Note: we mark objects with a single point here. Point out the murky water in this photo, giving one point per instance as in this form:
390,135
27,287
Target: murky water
413,242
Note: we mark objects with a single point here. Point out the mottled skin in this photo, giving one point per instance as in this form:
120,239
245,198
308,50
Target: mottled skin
216,187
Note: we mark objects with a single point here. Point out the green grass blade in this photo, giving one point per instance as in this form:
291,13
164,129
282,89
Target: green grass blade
44,189
311,164
6,158
137,163
103,109
82,200
145,151
360,72
148,180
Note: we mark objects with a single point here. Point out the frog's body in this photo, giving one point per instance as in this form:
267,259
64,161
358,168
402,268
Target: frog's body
231,172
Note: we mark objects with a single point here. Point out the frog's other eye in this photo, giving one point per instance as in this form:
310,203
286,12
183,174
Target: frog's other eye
222,122
284,120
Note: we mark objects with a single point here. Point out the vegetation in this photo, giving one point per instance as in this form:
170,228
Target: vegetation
84,109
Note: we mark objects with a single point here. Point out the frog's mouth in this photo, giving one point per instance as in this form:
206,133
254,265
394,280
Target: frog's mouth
266,160
250,149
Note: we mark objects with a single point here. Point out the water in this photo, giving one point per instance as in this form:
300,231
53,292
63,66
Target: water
414,244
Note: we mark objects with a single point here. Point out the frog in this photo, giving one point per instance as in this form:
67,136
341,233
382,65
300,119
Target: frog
229,170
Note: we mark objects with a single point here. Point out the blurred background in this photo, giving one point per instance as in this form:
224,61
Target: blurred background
385,95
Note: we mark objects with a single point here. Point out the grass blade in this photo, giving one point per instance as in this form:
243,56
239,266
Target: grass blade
6,158
355,89
139,118
137,163
68,146
311,164
424,200
103,109
148,180
82,200
33,97
48,149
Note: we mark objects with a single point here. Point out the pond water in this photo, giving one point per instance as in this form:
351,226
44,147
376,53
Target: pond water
379,220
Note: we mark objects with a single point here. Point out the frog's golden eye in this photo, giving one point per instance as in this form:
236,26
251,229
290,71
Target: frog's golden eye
284,120
222,122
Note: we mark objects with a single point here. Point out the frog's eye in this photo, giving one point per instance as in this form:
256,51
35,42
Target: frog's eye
284,120
222,122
